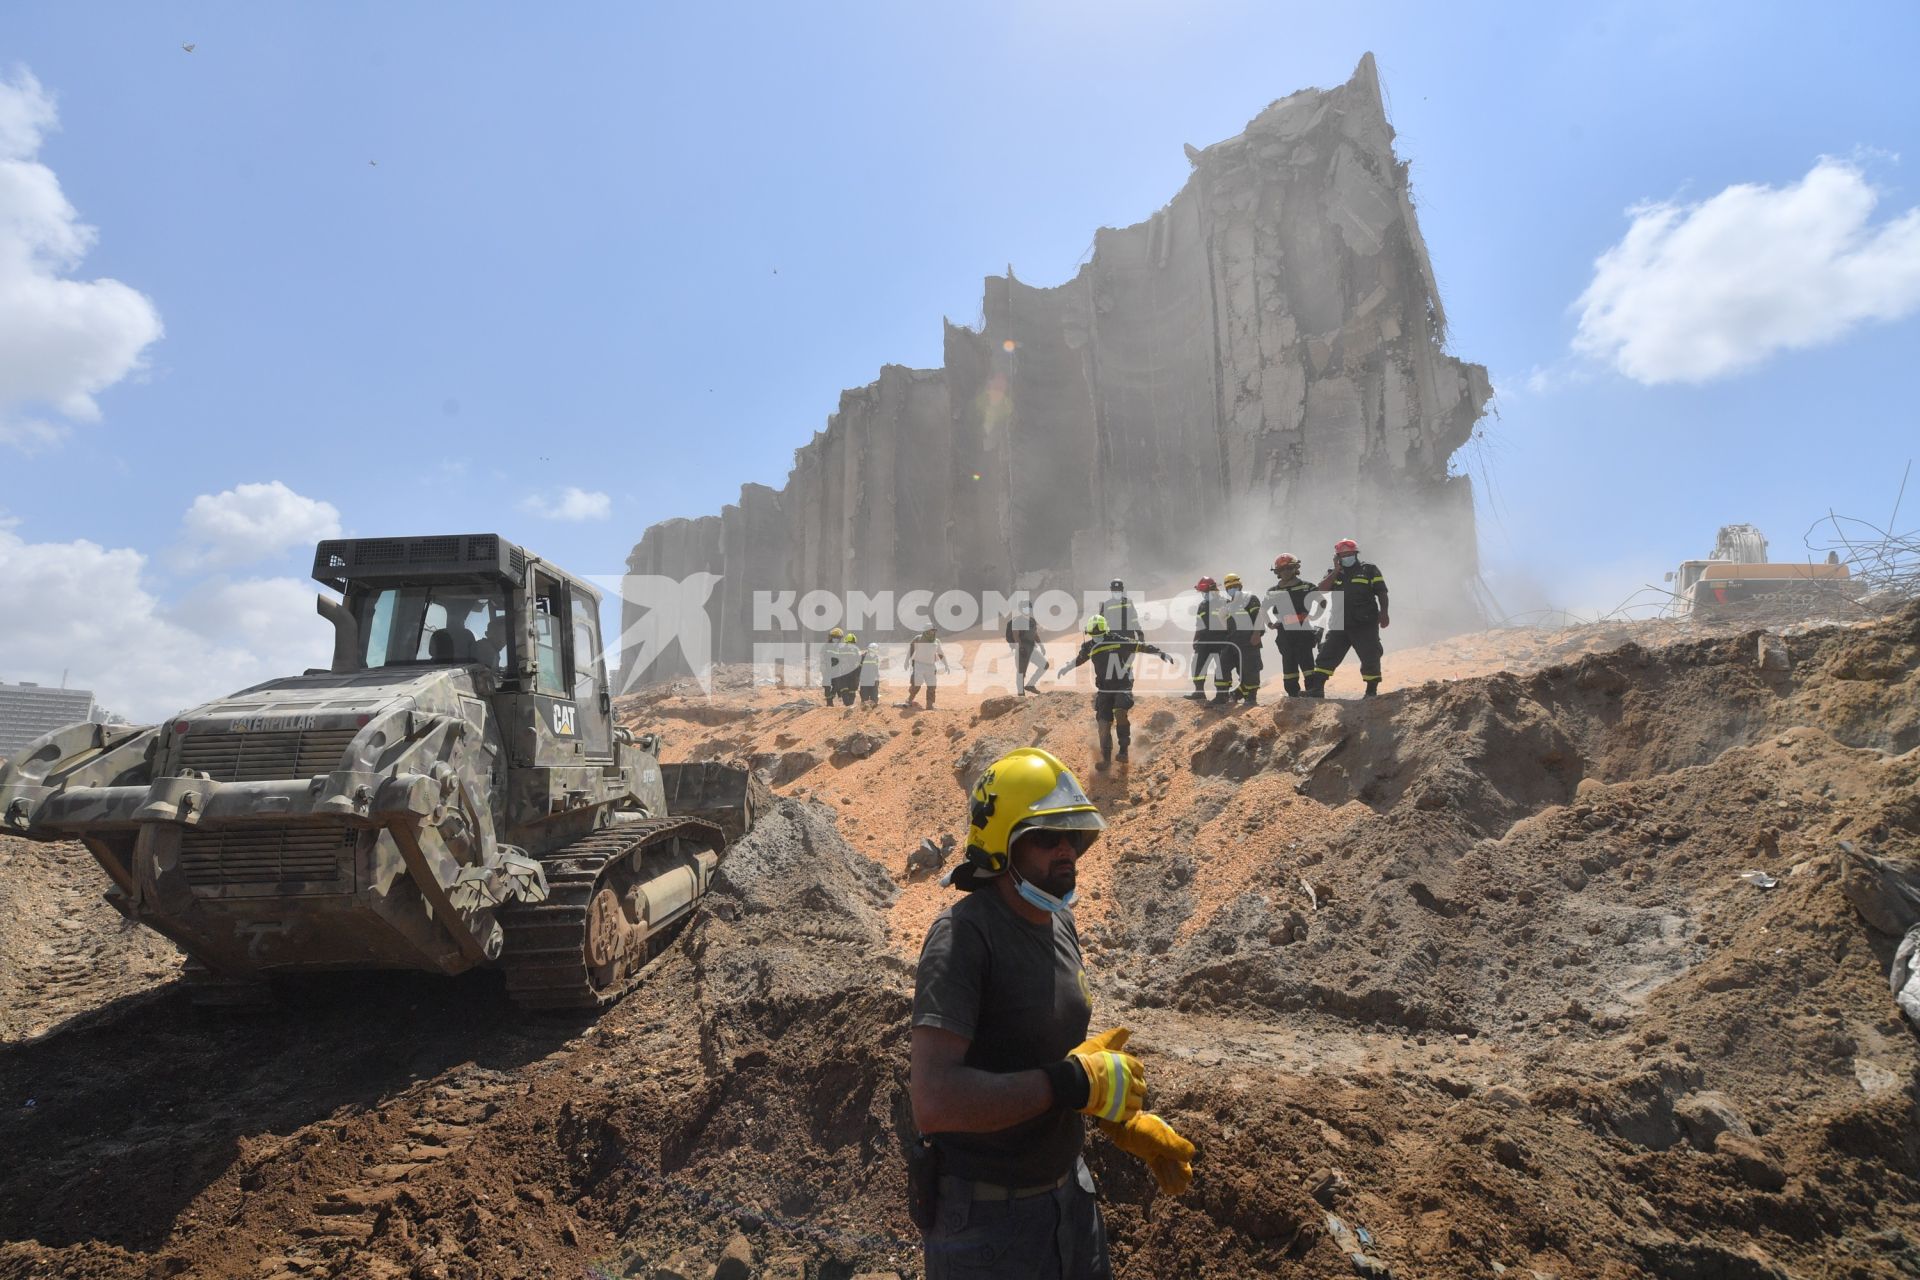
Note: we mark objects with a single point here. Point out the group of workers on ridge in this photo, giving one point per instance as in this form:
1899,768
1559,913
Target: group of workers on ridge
1356,611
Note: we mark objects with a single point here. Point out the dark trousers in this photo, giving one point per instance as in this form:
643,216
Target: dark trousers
845,688
1224,655
1296,655
1110,712
1250,667
1057,1235
1363,638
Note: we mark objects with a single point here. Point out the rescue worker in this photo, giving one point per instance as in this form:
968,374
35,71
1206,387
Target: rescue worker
1023,637
923,655
1293,634
1246,625
1213,643
870,678
829,660
846,682
1356,614
1118,609
1002,1067
1112,654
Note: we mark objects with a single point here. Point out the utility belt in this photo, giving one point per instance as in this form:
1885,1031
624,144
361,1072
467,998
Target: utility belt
964,1188
927,1186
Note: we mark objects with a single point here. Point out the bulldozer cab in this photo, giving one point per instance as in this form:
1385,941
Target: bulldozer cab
478,600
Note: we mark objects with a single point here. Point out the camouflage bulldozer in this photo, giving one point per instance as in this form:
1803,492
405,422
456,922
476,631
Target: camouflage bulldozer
451,793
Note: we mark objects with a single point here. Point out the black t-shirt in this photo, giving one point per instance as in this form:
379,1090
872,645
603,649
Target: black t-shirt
1017,992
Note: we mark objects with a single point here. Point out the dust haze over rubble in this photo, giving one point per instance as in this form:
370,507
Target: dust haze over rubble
1260,365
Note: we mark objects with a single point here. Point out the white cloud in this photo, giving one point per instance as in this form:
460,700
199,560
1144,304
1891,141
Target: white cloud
252,522
1698,291
572,504
88,610
61,341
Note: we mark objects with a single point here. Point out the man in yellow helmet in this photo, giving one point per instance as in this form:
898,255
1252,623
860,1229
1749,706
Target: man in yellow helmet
830,662
1112,653
1002,1065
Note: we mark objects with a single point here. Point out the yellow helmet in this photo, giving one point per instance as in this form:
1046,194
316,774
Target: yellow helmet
1231,580
852,638
1097,625
835,634
1025,789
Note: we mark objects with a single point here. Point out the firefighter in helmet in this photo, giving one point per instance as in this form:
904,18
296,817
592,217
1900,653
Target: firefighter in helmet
1356,614
1294,634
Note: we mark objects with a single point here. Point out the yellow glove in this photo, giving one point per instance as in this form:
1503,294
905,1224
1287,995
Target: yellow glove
1168,1155
1116,1082
1112,1039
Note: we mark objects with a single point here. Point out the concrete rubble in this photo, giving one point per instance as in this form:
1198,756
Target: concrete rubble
1260,365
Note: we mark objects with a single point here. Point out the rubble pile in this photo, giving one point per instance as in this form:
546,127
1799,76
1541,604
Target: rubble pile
1578,969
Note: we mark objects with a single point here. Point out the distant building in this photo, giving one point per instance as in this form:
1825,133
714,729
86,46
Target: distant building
28,711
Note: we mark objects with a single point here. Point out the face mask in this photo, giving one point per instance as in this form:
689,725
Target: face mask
1041,898
1349,561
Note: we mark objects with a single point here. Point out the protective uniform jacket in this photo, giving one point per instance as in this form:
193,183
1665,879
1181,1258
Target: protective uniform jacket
1211,619
1363,594
843,660
1244,618
1112,657
1020,628
1120,614
1289,604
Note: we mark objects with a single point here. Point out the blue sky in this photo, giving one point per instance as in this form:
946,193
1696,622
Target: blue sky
432,265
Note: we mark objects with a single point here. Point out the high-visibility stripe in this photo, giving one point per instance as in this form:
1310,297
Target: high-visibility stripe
1322,671
1370,679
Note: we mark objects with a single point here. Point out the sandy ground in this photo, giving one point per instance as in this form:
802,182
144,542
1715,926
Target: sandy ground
1470,967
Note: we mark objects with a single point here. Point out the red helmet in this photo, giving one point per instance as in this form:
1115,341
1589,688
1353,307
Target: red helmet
1206,584
1283,562
1346,547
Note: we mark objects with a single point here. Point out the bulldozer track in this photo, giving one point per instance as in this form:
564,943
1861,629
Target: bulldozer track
544,958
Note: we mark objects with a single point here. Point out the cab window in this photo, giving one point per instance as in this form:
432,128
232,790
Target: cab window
548,613
585,657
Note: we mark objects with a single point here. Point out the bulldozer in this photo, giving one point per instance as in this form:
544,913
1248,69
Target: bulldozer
1738,576
452,792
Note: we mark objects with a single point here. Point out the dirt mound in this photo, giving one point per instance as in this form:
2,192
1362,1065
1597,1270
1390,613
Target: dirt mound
1476,967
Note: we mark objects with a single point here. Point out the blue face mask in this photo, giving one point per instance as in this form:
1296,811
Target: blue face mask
1041,898
1349,561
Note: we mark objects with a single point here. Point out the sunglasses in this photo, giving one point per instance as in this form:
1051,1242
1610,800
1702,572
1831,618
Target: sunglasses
1044,838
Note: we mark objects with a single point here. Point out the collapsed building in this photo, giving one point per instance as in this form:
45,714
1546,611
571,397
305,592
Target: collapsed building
1260,366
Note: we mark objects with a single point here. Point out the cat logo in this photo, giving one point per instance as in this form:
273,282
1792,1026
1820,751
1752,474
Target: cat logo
563,718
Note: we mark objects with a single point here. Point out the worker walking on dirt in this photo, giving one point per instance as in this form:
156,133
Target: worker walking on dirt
924,654
1023,637
1001,1060
1213,644
1356,614
1293,634
1112,653
846,670
1245,626
829,662
870,678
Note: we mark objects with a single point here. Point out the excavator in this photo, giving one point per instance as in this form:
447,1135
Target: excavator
1738,574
